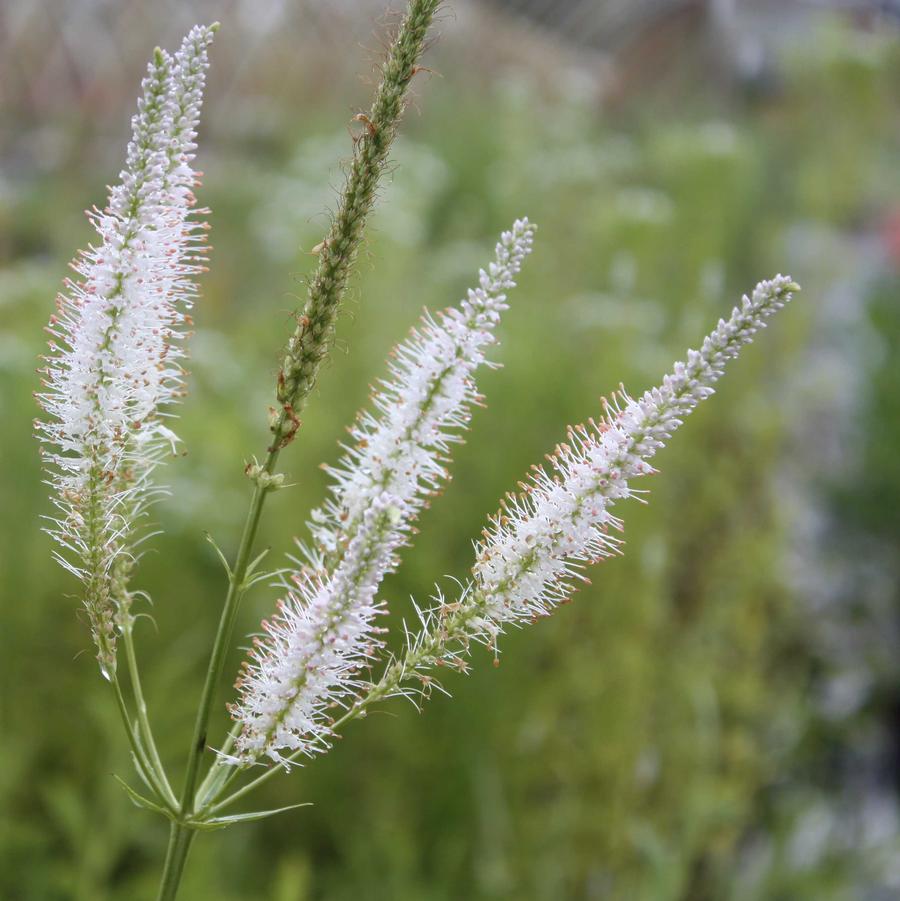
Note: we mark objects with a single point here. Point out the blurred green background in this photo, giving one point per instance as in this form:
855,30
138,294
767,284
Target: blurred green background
718,716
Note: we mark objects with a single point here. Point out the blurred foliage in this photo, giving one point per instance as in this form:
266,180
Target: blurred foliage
652,740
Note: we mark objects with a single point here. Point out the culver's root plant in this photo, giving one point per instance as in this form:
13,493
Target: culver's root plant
322,659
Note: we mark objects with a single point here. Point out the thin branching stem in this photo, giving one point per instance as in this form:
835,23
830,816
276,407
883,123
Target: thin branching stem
142,716
353,713
142,762
236,588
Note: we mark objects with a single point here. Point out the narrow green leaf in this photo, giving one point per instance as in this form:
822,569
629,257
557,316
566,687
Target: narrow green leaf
222,822
140,800
251,567
142,773
221,556
262,576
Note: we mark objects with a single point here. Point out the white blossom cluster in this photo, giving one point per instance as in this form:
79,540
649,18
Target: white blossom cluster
540,541
542,538
402,447
311,652
113,363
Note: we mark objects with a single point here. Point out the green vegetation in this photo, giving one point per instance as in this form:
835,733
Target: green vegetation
660,737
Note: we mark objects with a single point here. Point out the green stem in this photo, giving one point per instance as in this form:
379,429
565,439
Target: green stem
236,588
143,719
181,834
180,839
220,774
142,762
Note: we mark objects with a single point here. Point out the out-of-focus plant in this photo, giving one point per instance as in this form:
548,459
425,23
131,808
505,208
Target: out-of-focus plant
112,373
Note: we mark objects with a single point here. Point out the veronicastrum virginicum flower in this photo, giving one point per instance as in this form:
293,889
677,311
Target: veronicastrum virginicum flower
114,354
401,448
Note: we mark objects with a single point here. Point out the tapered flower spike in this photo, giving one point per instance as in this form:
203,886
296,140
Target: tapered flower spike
402,446
313,649
310,342
534,553
113,365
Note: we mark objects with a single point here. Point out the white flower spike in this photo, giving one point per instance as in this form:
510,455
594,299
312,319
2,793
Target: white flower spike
313,648
540,541
113,364
421,411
